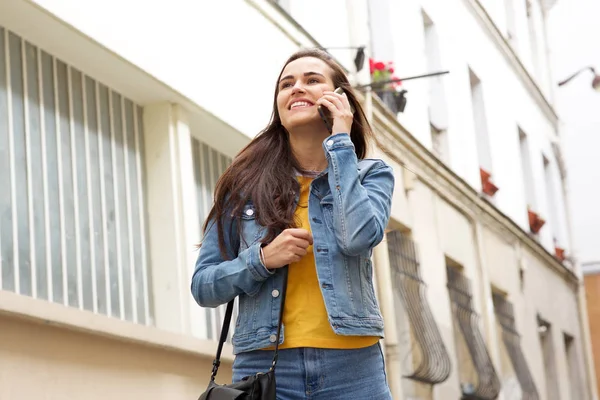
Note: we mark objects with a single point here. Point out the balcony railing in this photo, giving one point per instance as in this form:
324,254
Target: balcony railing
487,386
504,312
432,360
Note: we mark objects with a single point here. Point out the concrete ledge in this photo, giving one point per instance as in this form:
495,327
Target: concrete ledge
13,305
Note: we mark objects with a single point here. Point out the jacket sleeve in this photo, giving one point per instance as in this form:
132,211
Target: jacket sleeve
217,281
361,209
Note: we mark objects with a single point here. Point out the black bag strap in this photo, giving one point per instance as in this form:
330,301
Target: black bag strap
227,322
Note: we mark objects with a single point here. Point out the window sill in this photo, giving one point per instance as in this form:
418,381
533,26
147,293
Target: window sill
43,312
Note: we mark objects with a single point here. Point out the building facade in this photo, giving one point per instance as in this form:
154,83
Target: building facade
117,118
576,103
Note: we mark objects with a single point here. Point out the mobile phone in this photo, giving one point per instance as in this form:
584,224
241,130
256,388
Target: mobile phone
326,115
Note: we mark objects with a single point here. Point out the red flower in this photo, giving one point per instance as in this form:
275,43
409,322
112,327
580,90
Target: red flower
391,69
371,65
379,66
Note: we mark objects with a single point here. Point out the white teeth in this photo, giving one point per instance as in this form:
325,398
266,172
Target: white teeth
300,104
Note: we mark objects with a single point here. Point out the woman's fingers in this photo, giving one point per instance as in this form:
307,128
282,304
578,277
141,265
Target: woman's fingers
302,243
340,101
300,234
300,251
334,104
345,101
290,246
335,99
340,110
329,105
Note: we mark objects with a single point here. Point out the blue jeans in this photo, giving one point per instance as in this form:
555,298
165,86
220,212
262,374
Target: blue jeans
321,374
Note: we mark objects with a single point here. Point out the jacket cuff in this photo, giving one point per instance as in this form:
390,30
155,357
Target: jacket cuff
255,266
337,141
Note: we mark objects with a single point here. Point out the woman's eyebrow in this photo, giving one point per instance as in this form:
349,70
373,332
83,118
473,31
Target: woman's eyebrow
305,74
313,73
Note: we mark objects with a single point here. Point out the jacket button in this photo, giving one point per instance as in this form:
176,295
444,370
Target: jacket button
330,143
272,338
275,293
249,212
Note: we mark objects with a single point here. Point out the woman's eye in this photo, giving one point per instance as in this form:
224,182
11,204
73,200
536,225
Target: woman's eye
313,80
285,85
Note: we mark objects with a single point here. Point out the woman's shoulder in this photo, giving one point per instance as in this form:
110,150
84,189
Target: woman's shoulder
374,167
367,164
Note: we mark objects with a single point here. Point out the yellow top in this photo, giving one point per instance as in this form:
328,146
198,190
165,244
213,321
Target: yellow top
305,316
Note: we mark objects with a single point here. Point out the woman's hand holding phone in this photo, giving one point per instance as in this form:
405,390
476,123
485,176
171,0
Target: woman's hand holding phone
340,110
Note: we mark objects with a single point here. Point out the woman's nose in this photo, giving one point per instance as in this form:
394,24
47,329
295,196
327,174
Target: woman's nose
298,87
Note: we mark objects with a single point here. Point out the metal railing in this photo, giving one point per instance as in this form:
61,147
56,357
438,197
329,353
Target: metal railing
432,361
487,386
505,314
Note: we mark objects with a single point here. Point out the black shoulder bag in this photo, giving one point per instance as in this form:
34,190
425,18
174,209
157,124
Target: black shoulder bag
260,386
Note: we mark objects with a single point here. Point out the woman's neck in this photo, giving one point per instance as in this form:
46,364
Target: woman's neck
307,148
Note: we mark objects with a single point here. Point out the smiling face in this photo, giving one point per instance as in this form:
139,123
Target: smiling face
302,83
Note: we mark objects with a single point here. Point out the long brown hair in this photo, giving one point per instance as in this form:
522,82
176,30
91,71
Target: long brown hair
263,171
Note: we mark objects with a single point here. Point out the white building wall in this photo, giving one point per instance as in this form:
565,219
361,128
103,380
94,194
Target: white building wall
508,104
176,43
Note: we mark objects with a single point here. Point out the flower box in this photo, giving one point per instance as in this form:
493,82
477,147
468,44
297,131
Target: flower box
560,253
535,221
487,186
387,86
395,101
381,74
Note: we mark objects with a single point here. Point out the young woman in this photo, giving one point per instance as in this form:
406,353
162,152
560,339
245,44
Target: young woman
302,197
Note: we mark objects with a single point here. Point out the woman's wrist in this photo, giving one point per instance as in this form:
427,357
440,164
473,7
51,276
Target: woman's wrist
263,257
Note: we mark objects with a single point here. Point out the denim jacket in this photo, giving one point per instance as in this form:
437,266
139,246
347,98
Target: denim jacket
349,208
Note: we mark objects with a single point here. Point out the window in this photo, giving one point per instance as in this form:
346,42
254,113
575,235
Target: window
380,30
481,130
430,359
511,339
552,211
478,378
526,166
72,227
437,97
575,388
209,165
548,356
535,219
